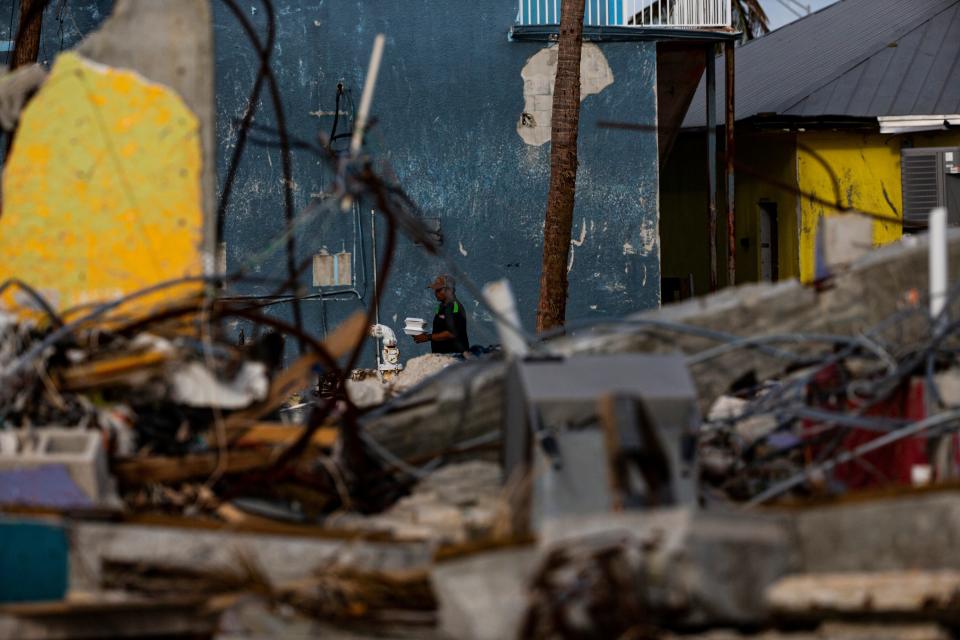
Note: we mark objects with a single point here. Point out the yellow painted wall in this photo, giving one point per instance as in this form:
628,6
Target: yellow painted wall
845,168
101,192
849,170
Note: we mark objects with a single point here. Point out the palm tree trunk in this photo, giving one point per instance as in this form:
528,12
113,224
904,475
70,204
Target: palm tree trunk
27,42
565,122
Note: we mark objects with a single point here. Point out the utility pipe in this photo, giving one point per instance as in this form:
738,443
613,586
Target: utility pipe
938,265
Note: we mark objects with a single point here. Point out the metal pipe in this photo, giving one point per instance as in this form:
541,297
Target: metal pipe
373,257
499,297
938,266
712,163
729,174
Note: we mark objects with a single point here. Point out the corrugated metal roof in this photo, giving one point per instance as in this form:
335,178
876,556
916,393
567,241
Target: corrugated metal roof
861,58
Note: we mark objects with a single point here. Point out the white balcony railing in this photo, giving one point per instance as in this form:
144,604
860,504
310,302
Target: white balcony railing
681,14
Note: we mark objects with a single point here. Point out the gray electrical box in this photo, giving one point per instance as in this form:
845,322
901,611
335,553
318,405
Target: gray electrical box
602,433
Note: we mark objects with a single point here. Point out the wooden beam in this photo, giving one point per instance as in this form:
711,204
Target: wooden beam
162,469
276,433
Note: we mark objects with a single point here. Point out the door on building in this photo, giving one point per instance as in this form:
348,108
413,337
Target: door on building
769,242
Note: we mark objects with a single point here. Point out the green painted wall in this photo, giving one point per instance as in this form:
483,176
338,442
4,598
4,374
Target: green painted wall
766,173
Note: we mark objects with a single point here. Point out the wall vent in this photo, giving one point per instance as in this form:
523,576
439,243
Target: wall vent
925,174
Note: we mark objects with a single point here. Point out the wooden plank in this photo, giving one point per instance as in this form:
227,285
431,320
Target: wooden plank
276,433
112,370
162,469
607,412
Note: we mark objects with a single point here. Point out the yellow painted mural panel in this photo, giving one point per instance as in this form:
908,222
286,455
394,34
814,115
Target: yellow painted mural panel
101,192
854,171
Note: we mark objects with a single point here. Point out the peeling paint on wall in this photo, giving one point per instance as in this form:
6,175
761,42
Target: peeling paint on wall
649,237
538,78
577,242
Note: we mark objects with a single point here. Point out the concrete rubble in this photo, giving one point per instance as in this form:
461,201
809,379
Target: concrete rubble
772,461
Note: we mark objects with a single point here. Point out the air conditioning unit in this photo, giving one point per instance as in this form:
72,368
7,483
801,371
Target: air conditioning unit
931,179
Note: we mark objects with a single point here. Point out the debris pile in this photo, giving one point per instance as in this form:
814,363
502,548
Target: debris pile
772,461
188,424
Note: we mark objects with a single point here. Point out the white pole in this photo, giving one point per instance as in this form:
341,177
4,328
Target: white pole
499,296
366,97
938,264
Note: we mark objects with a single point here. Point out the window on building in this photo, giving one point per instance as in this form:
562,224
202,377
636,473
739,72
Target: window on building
931,179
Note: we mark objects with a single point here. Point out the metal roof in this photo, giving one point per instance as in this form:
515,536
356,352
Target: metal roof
854,58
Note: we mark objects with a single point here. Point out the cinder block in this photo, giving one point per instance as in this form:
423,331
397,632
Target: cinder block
80,452
842,240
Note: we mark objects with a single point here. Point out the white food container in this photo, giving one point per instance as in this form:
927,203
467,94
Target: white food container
414,326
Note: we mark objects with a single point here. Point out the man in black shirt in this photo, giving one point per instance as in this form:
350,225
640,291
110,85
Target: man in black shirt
449,333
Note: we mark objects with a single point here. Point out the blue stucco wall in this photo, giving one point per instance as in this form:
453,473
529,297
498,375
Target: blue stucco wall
448,100
447,105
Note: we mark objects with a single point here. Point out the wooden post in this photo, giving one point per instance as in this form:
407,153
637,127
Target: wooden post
712,163
729,173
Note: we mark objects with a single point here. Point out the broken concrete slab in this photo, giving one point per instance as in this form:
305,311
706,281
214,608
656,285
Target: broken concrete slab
464,404
914,531
926,594
841,241
171,43
888,283
705,568
15,89
459,503
483,597
282,558
101,192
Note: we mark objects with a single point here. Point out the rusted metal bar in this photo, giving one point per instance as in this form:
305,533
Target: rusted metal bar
729,173
712,163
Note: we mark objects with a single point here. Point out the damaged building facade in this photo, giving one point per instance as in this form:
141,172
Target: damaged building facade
773,461
854,105
463,119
